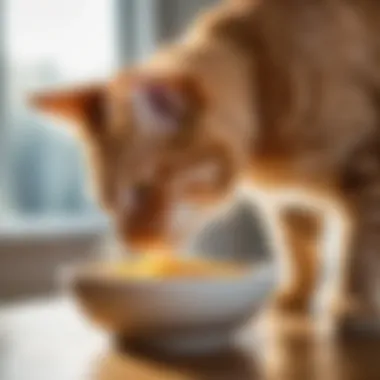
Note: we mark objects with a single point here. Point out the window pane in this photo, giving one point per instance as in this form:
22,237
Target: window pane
50,42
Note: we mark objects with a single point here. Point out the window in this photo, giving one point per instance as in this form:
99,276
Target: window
48,43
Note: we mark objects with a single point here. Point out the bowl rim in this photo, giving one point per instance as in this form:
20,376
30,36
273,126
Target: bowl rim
74,274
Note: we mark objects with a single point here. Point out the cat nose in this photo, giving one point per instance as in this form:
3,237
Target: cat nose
144,219
135,197
141,193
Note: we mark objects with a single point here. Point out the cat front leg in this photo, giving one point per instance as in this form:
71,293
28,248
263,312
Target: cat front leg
356,308
301,234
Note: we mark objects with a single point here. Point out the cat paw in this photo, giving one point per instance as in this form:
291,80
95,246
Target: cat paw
357,327
291,302
354,320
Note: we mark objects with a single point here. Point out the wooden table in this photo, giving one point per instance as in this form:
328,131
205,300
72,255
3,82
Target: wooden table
49,340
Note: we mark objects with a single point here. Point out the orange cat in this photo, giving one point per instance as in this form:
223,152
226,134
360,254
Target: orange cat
275,95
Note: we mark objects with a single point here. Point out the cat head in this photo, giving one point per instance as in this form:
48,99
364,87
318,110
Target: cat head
158,151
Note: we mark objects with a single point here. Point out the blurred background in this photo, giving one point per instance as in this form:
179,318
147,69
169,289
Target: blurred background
47,219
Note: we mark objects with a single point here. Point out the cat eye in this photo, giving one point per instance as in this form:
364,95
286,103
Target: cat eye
157,108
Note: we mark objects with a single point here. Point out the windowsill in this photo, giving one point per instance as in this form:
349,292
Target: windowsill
29,229
34,251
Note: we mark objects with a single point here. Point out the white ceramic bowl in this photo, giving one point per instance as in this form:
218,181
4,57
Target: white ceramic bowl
173,314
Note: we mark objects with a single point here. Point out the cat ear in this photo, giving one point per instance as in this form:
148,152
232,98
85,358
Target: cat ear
160,105
82,105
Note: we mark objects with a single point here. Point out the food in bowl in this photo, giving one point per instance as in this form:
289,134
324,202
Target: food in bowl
168,266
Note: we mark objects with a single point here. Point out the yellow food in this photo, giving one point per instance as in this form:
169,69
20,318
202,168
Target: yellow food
160,267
